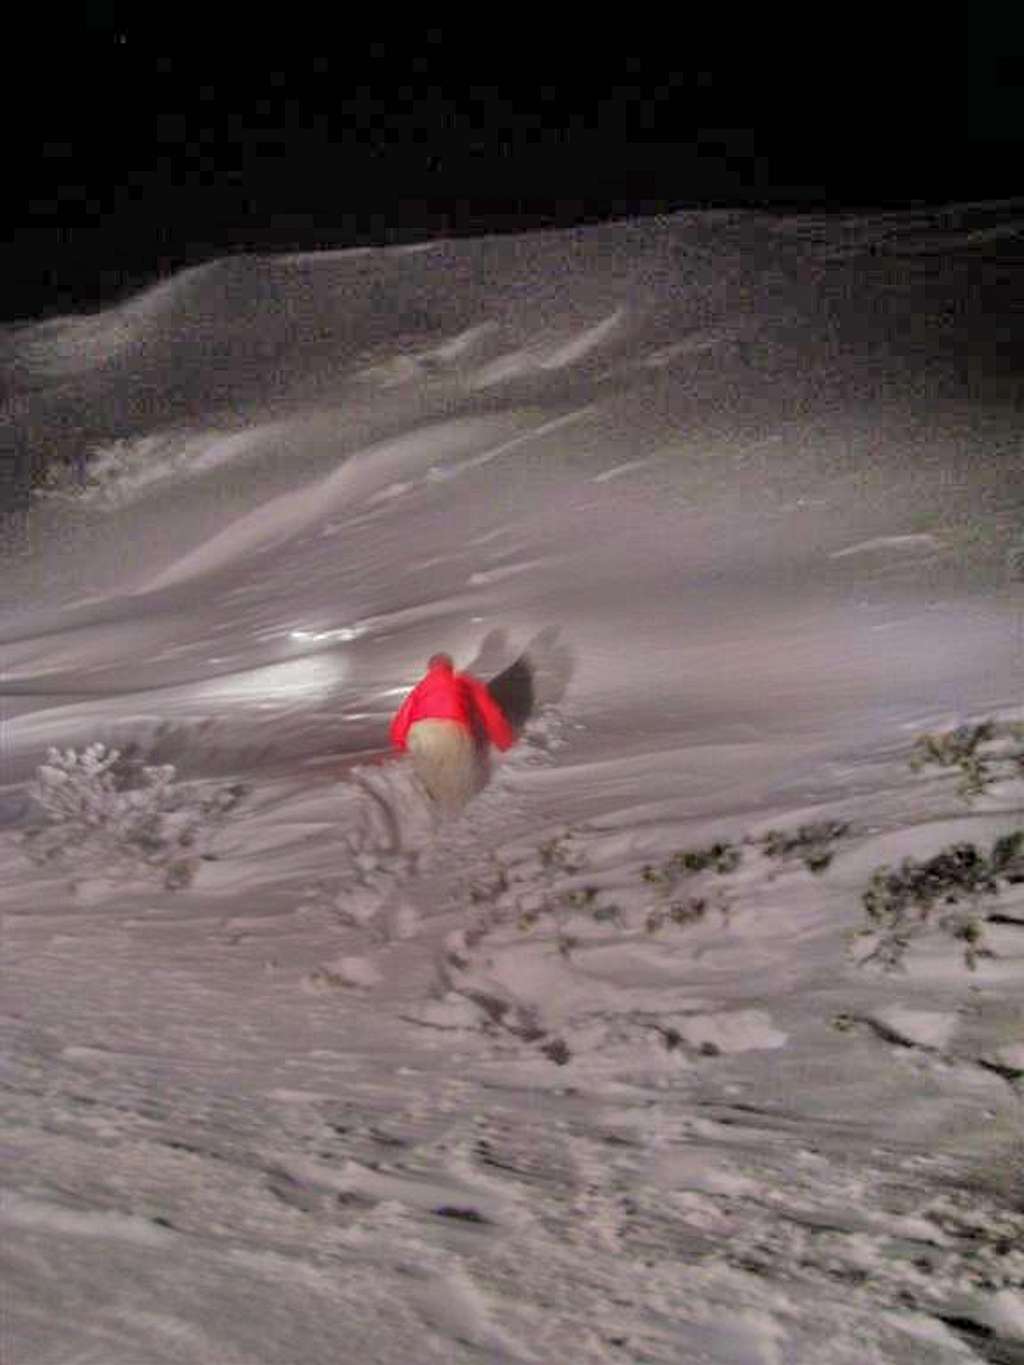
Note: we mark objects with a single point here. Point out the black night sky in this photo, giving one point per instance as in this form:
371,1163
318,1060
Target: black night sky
138,151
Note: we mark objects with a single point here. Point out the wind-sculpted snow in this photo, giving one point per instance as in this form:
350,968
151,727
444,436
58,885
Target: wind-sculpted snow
727,508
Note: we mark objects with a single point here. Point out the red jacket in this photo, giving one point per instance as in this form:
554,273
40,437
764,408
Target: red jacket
446,695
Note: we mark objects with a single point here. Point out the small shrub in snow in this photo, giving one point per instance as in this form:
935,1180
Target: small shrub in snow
557,1051
957,749
118,467
580,898
681,912
106,808
814,844
900,902
558,854
984,754
721,857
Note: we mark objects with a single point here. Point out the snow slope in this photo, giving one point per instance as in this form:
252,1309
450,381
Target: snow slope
741,497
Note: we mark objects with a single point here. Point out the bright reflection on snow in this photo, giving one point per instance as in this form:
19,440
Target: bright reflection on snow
297,680
343,633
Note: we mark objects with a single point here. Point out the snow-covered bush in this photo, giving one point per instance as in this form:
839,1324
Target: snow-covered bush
116,470
984,754
962,882
958,881
814,844
106,808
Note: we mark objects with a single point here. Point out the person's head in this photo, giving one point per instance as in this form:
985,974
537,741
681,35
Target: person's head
442,661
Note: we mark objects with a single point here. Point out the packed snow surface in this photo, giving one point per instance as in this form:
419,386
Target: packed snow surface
729,507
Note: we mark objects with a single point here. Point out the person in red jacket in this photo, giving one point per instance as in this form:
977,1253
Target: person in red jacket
446,723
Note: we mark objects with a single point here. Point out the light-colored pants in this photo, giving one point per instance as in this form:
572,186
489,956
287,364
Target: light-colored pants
447,761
